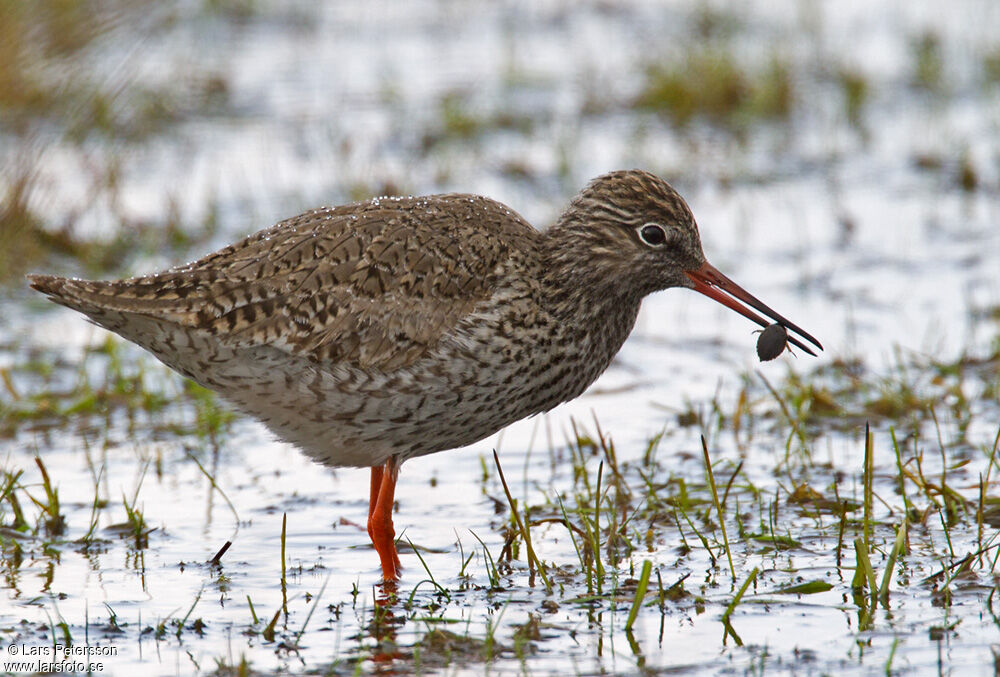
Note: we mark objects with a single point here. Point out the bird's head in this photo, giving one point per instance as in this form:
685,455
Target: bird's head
631,233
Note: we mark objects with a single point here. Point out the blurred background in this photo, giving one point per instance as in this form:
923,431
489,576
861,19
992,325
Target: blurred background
849,150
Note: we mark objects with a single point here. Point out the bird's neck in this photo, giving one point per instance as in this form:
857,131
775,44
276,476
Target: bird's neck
583,291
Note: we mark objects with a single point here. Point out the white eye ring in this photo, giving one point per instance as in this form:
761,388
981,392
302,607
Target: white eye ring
652,234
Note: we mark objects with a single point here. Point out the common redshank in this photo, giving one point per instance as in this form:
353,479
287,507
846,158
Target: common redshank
370,333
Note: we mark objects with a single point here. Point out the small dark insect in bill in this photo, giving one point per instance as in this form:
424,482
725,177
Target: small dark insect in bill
772,342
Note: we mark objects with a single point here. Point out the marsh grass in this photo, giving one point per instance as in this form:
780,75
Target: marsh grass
710,83
624,518
928,62
523,528
52,103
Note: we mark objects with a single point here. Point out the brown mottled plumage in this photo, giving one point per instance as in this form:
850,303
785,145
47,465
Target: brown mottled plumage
369,333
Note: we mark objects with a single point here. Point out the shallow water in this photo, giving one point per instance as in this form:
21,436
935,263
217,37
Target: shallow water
835,225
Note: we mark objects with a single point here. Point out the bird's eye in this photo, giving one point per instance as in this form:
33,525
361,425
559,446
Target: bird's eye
653,235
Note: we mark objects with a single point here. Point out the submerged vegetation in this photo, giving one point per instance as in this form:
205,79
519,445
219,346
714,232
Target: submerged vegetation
629,542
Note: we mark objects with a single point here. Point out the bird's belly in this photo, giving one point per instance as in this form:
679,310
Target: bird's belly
493,370
468,387
345,416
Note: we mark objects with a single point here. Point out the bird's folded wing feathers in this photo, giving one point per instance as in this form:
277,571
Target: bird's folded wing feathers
373,285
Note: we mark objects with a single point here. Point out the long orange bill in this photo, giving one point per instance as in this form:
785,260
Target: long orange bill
713,284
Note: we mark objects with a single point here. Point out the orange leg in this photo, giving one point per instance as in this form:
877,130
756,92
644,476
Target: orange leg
383,488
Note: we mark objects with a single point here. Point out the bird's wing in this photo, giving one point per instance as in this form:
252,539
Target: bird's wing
373,285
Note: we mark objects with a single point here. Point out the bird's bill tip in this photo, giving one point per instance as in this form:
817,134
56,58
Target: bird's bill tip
709,281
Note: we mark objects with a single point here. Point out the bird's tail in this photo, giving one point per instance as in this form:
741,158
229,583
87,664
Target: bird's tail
113,305
86,296
139,296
